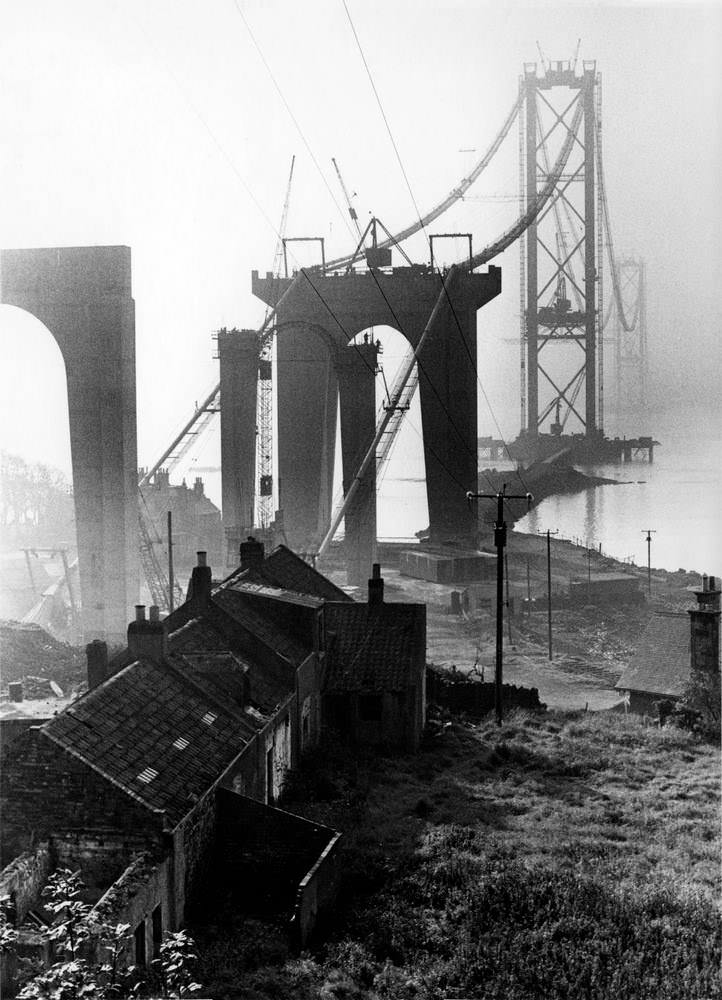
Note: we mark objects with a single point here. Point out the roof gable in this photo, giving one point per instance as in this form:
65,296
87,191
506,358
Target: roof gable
285,570
155,734
662,662
374,647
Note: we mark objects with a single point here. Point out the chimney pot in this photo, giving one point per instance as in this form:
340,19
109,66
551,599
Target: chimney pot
154,613
202,556
705,584
376,586
712,583
15,690
96,653
140,612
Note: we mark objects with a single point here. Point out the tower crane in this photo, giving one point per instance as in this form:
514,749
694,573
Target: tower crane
264,439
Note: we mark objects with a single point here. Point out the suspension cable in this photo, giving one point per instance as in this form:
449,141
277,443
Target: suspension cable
454,195
627,325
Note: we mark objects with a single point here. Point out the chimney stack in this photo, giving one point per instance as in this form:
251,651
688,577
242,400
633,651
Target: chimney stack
252,553
705,628
199,588
376,586
96,653
146,637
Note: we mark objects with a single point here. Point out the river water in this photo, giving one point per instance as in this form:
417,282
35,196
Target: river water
679,497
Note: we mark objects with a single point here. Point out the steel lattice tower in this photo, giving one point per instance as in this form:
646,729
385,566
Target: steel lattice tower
561,254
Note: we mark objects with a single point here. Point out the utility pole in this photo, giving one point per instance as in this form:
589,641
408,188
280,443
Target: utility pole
589,574
500,543
171,582
549,589
650,532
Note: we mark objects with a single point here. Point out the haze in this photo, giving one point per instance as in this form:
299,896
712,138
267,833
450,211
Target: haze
158,126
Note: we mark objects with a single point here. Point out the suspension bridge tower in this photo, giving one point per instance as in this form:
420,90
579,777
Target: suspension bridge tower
561,252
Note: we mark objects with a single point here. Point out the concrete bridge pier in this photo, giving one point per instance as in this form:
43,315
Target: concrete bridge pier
238,365
356,368
307,391
83,296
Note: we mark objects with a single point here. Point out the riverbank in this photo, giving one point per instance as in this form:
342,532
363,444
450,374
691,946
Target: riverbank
590,645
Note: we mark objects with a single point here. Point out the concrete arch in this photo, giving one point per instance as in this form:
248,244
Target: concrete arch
404,299
83,296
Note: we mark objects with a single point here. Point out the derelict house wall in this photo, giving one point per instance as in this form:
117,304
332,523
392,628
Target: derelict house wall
45,790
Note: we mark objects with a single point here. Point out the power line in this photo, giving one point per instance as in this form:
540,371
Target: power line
416,208
291,114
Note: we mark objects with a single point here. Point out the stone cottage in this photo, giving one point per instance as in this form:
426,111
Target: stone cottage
675,648
160,783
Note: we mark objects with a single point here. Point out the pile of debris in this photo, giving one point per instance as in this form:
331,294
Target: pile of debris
30,654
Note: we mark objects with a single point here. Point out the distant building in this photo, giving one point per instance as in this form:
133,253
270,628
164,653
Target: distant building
197,524
606,588
675,648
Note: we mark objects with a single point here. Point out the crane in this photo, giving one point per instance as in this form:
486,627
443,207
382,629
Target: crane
264,439
351,210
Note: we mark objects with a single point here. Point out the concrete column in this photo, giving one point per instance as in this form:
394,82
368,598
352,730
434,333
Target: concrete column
83,296
356,367
448,390
307,391
238,362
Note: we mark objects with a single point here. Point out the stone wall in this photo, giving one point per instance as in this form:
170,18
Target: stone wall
141,897
25,876
263,854
316,895
44,790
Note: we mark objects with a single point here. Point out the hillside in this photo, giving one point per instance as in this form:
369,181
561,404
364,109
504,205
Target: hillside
565,855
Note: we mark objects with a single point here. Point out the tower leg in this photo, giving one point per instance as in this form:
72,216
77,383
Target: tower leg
307,400
356,377
448,391
238,362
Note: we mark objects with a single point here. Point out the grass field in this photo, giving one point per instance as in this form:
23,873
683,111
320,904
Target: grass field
561,856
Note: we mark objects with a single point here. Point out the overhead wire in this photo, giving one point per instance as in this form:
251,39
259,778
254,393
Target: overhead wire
423,227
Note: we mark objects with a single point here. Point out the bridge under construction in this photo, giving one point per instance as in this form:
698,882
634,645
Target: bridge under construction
316,350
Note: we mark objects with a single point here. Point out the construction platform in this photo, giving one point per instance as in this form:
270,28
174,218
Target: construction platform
577,448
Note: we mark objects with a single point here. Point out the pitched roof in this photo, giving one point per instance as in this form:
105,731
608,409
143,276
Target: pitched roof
287,571
155,734
373,647
662,662
241,613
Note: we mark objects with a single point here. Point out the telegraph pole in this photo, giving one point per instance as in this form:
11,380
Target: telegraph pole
171,579
500,543
650,532
549,589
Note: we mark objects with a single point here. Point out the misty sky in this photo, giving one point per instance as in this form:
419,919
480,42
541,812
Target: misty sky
156,124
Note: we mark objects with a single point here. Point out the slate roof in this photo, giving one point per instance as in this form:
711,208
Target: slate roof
155,734
275,638
374,648
283,569
212,657
662,662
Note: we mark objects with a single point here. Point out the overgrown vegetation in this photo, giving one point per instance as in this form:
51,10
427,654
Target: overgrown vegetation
561,856
89,955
